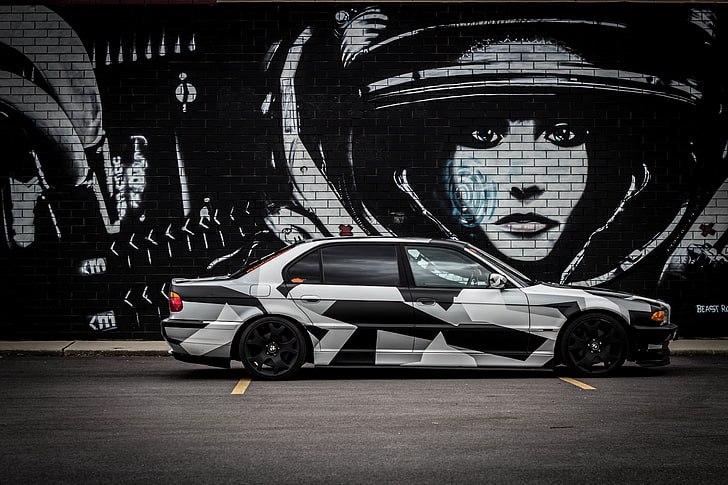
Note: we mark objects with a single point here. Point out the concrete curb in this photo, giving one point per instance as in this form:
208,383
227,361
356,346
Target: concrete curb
84,347
699,347
717,346
88,347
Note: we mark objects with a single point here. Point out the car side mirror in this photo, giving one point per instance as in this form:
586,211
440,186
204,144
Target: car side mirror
497,281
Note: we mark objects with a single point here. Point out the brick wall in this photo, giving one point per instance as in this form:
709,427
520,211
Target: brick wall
582,143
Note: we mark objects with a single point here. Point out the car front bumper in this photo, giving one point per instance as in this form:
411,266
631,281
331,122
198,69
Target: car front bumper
652,344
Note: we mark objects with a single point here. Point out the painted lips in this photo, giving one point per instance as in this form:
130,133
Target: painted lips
530,223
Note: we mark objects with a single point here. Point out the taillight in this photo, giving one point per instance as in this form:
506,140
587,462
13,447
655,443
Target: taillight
175,302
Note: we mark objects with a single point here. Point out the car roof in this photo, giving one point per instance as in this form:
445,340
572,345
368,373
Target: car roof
381,240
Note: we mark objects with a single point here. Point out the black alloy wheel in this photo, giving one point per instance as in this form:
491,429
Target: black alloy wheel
272,348
594,345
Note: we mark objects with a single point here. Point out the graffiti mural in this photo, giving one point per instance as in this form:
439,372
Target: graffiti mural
584,145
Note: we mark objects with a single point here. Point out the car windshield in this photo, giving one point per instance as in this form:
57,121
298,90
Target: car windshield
502,267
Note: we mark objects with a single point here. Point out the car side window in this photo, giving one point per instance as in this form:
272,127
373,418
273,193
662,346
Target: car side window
360,264
306,270
443,267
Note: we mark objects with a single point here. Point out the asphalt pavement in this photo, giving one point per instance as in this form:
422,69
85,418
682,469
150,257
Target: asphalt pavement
716,346
135,420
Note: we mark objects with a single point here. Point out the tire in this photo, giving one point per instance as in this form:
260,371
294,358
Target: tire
594,345
272,348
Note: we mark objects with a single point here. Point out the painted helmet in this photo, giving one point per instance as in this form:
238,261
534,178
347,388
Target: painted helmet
372,108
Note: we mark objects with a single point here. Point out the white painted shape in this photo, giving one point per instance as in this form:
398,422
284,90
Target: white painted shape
332,342
198,348
396,358
439,353
390,341
228,314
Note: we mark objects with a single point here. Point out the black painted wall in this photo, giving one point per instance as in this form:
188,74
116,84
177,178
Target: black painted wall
582,143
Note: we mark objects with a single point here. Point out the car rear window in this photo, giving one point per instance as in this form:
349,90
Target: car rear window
260,261
306,270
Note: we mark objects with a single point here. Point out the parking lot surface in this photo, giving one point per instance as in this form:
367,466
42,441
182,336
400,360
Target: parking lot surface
142,419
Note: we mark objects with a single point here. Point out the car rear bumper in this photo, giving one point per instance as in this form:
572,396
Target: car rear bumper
199,342
201,359
652,344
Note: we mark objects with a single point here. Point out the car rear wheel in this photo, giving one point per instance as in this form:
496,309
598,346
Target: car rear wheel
272,348
594,345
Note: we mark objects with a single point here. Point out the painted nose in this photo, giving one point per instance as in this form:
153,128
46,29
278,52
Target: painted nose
531,192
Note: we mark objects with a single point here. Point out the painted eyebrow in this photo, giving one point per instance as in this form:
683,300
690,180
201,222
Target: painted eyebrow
499,125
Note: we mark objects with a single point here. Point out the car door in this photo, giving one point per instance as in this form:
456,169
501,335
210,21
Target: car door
357,301
459,319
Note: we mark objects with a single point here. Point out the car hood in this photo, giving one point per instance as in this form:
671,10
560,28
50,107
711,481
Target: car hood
607,293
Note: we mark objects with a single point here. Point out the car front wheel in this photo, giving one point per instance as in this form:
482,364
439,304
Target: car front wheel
594,345
272,348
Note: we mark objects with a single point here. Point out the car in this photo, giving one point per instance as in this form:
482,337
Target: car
406,302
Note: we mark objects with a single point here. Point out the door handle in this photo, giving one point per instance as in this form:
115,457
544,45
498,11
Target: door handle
426,301
311,299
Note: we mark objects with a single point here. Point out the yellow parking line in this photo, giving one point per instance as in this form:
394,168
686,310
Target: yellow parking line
241,386
577,383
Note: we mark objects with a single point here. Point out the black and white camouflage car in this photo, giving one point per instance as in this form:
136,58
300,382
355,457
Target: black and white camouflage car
406,302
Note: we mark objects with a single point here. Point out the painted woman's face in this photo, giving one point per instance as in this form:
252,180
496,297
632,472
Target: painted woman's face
519,182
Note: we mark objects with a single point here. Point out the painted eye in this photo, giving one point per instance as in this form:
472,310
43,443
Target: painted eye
488,137
562,135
